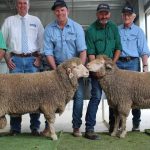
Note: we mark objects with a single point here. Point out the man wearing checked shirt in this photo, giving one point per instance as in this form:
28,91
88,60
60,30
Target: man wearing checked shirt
134,47
64,39
19,61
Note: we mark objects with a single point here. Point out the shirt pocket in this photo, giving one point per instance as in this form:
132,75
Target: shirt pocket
33,32
132,37
71,36
56,40
111,45
99,45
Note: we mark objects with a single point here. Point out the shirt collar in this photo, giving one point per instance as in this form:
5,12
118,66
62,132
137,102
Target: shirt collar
55,24
26,16
99,25
132,25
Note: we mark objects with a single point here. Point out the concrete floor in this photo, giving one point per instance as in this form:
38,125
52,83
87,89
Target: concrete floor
63,122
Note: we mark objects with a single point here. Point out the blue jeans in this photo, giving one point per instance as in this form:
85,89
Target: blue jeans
77,106
133,65
24,65
96,93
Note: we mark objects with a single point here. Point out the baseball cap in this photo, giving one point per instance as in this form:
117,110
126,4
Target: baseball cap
60,3
103,7
128,8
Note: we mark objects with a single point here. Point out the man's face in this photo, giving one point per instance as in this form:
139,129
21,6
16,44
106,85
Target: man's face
128,18
22,7
61,14
103,17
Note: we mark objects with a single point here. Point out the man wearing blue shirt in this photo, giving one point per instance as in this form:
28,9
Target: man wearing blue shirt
134,47
64,39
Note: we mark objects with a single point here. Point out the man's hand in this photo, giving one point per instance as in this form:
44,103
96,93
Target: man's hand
37,62
145,68
10,64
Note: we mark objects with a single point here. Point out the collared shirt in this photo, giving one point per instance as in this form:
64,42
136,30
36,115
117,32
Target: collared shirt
64,44
101,40
133,41
2,42
11,30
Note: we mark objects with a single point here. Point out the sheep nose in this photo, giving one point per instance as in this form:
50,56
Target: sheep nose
87,72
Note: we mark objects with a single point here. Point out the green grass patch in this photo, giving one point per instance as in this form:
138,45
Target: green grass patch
26,141
133,141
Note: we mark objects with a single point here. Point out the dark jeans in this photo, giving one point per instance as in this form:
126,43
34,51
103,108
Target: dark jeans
96,93
24,65
78,105
133,65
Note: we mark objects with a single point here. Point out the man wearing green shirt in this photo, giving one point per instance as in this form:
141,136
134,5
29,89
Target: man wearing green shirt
102,37
2,46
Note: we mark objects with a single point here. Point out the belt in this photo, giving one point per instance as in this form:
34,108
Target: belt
126,59
35,54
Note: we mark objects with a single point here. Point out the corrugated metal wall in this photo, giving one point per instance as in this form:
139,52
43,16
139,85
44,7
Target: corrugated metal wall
83,11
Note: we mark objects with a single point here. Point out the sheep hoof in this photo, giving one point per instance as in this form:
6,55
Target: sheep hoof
54,137
113,134
123,134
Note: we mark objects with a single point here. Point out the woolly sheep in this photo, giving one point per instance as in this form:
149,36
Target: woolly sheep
47,92
124,89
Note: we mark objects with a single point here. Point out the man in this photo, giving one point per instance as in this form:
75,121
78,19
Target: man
134,46
2,46
102,37
24,38
64,39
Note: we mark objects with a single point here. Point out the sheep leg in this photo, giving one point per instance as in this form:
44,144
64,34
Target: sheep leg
124,113
116,125
3,122
123,127
51,130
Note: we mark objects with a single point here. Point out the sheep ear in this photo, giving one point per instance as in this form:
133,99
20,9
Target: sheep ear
69,73
108,66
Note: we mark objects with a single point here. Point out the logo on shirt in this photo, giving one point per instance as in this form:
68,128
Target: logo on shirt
33,25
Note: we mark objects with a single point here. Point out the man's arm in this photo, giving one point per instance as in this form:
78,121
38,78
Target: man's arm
145,63
9,61
51,62
83,57
2,53
116,55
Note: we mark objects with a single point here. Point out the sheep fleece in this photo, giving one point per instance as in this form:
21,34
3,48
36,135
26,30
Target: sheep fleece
46,92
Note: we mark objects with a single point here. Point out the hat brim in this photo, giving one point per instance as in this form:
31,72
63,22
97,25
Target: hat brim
107,10
127,11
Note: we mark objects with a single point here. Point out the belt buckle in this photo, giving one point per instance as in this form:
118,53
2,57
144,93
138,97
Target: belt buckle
128,58
24,54
27,54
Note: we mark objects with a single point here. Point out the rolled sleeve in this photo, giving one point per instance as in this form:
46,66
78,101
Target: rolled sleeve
142,44
2,42
48,45
80,41
90,44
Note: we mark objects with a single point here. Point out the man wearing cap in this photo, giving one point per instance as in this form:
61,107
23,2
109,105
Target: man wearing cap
2,46
65,39
134,46
102,37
